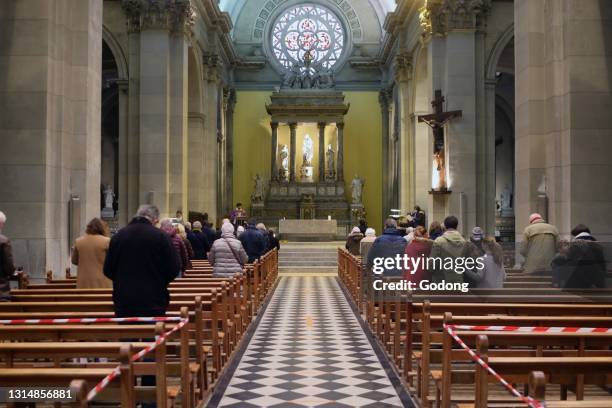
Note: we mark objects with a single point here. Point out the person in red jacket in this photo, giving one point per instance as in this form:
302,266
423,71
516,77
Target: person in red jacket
419,247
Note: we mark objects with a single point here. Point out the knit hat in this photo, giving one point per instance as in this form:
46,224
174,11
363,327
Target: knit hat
370,232
535,217
227,228
355,230
477,233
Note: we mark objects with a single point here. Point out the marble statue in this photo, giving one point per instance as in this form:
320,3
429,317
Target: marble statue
305,76
330,174
258,190
307,151
506,198
109,197
323,78
542,188
357,187
284,161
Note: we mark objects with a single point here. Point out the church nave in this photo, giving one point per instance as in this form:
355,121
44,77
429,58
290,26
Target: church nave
310,350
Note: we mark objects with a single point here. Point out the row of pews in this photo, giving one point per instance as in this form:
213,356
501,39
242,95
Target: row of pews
54,334
564,368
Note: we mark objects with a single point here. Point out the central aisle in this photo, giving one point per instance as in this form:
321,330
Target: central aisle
310,350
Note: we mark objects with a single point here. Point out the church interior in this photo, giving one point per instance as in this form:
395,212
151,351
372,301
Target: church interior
319,120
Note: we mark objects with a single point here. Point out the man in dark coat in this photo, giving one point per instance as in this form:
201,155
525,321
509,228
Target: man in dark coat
253,241
211,234
141,262
586,261
7,268
388,245
199,242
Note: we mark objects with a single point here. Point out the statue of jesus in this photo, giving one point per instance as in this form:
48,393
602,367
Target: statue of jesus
307,151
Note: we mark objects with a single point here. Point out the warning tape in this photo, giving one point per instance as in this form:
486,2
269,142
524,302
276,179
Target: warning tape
94,320
116,371
531,402
532,329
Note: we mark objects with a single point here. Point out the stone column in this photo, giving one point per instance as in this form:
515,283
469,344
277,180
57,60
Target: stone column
293,131
124,213
229,149
273,170
211,135
321,151
49,127
384,98
340,161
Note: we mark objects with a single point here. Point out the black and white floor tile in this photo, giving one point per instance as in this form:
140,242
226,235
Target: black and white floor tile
309,350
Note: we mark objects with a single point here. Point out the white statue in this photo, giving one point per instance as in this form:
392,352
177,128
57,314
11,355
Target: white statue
109,197
330,159
307,151
258,191
357,186
542,188
506,198
284,161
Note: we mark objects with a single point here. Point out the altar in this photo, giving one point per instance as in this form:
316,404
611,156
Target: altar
306,187
307,230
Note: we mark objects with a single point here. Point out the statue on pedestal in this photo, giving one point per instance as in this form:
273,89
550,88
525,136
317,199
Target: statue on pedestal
357,189
330,158
283,154
306,171
258,190
109,197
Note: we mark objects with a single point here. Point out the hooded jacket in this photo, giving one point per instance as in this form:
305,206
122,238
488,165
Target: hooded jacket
587,263
141,262
227,256
253,242
352,243
539,246
451,245
388,245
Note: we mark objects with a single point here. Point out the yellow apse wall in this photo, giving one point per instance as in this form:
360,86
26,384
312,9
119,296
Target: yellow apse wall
362,147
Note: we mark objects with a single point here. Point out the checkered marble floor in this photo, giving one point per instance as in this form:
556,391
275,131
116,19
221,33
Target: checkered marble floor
310,351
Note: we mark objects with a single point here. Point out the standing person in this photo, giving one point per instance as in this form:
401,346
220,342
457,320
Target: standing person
261,227
493,275
227,256
435,230
199,242
182,232
585,260
388,245
89,253
418,248
141,262
273,240
418,217
353,240
363,226
366,243
539,245
7,268
451,245
253,241
475,246
177,242
236,214
209,232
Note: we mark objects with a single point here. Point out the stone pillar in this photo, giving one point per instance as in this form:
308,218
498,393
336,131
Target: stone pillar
49,127
340,161
229,150
274,154
293,131
211,135
405,86
384,98
321,151
124,213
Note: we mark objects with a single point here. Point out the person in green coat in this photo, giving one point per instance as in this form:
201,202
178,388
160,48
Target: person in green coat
539,245
450,244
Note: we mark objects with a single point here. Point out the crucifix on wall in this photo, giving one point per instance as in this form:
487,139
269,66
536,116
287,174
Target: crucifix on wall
436,121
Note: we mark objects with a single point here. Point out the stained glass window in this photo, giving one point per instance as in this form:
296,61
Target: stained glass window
308,28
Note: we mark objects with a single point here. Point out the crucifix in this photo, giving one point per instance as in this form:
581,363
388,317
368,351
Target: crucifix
436,121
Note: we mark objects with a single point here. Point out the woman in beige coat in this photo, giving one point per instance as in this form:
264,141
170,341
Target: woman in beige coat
89,253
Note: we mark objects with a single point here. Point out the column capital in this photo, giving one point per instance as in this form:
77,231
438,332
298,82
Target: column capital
292,125
385,96
439,17
176,16
403,66
322,125
210,66
340,125
274,125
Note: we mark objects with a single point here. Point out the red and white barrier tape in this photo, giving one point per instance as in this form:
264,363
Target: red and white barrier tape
531,402
116,371
94,320
532,329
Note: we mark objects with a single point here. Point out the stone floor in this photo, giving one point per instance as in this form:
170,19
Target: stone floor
309,350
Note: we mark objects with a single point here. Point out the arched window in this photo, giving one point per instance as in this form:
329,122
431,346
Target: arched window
308,27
